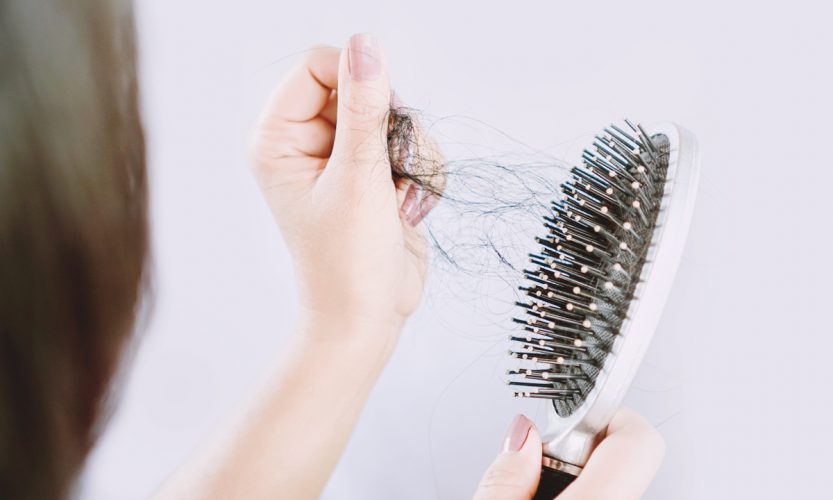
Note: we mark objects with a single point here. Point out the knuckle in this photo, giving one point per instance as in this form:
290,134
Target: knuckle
366,99
268,146
315,52
361,144
501,479
362,104
257,162
656,440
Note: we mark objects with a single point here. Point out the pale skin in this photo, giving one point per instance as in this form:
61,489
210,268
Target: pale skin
356,237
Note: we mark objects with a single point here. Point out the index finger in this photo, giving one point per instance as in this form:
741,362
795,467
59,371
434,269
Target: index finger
306,90
623,464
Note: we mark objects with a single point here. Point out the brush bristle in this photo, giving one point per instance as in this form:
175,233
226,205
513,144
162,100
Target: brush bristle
583,278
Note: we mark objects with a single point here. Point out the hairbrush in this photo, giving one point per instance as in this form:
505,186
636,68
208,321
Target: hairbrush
596,289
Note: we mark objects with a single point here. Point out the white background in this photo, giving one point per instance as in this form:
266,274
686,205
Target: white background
739,376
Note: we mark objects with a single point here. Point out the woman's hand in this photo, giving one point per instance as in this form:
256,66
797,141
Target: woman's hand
321,159
621,467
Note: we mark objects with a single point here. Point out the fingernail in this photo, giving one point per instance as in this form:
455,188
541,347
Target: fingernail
516,434
418,202
363,57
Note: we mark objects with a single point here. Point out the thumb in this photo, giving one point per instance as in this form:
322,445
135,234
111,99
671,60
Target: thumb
360,143
515,472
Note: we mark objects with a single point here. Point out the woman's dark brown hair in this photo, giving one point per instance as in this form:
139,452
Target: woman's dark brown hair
73,230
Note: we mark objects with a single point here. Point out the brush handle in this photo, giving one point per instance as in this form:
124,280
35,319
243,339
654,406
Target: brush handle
552,483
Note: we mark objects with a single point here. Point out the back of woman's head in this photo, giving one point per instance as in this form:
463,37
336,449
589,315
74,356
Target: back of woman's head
73,229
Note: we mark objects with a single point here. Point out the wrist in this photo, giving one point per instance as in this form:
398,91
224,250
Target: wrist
351,332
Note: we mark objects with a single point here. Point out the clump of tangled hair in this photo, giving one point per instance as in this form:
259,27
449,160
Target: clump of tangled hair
73,230
411,156
491,204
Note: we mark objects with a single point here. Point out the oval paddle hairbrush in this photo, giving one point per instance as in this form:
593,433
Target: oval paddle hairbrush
597,286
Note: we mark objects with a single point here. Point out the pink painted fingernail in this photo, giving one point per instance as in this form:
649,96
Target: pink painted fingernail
516,434
418,202
364,57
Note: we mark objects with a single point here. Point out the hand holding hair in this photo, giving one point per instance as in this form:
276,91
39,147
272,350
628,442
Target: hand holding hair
621,467
321,158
